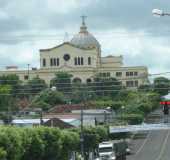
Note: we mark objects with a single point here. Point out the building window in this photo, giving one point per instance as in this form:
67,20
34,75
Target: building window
108,74
58,61
44,62
104,75
75,61
66,57
76,80
82,62
51,62
135,73
88,80
54,61
136,83
132,83
118,74
26,77
131,73
127,74
129,83
78,60
89,60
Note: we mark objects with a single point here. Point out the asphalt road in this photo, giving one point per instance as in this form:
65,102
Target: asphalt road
154,146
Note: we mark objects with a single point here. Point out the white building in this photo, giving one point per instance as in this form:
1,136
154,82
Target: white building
82,58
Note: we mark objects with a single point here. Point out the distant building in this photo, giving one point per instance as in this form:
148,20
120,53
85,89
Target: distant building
56,122
82,57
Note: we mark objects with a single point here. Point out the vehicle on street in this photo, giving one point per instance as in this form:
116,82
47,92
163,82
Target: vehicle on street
106,151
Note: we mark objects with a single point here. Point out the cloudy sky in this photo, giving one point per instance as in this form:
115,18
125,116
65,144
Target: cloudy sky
124,27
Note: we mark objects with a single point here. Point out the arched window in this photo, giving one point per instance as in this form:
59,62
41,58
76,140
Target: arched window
76,80
89,60
54,61
58,61
75,61
88,80
79,61
44,62
82,62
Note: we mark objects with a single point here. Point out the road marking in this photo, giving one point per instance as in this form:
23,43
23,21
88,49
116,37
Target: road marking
141,147
143,144
163,146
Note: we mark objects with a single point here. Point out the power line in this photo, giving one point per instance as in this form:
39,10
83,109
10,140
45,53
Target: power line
89,91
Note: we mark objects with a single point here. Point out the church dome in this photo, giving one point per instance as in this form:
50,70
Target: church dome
84,39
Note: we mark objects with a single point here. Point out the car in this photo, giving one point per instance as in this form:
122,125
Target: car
128,151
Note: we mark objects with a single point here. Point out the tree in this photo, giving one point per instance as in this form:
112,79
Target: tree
62,81
36,85
145,88
47,99
5,97
106,86
161,85
2,154
11,80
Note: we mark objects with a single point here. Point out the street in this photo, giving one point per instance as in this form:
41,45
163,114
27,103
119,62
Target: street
155,145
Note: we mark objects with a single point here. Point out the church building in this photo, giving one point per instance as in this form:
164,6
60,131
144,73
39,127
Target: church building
82,58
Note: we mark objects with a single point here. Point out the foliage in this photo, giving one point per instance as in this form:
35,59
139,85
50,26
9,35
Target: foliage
5,98
42,143
11,80
100,104
116,105
36,85
137,104
106,86
6,117
133,118
145,88
47,99
62,81
161,85
3,154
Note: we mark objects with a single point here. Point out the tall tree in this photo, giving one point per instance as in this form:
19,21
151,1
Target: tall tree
161,85
47,99
62,81
36,85
13,81
106,86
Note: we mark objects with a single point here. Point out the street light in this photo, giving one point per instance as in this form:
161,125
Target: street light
122,109
159,13
53,88
28,71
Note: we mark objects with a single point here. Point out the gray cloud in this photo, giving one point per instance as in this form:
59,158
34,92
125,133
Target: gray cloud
21,20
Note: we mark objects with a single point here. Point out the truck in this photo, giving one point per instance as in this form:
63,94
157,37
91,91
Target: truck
106,151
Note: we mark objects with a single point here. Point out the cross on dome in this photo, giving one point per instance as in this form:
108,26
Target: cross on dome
83,28
84,39
83,19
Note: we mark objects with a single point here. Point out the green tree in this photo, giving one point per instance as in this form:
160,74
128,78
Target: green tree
3,154
48,98
5,97
145,88
13,81
106,86
161,85
62,81
36,85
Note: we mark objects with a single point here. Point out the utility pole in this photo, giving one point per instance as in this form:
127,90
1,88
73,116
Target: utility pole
82,135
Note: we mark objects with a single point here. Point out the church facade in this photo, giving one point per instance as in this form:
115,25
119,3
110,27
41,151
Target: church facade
82,58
